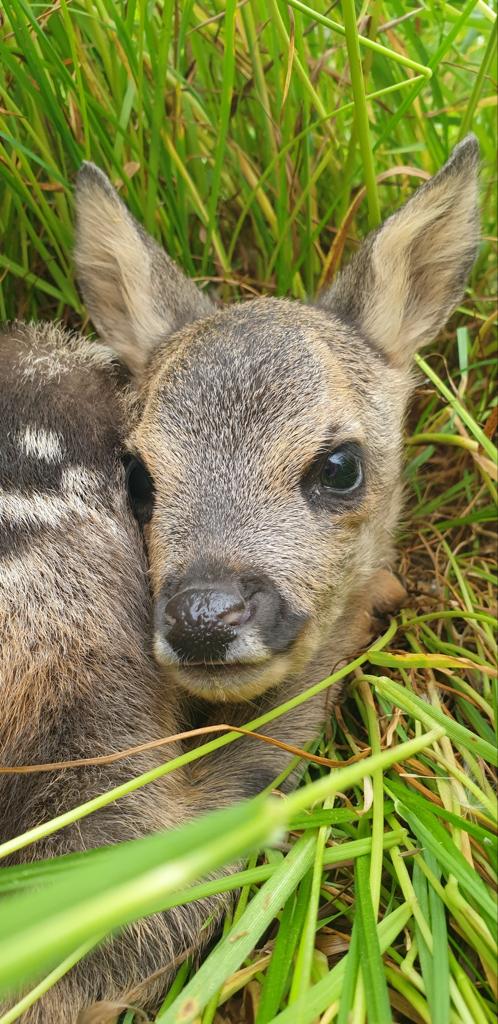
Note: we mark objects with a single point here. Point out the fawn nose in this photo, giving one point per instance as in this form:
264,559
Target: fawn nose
201,621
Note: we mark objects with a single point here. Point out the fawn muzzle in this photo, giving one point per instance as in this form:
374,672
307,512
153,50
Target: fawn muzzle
202,620
217,621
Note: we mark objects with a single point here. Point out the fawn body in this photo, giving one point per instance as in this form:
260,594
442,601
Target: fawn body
77,677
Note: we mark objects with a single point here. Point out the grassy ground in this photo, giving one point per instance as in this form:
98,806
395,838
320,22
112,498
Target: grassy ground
241,137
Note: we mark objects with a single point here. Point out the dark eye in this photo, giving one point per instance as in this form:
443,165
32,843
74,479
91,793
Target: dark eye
140,488
342,471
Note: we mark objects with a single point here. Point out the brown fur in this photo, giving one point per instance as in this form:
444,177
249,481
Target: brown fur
232,409
235,405
77,679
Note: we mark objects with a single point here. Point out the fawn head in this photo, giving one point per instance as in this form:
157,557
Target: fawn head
264,455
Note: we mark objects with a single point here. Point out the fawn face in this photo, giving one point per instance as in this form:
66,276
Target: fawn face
273,472
264,456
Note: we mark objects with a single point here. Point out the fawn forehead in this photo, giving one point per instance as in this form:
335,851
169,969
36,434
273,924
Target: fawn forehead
267,373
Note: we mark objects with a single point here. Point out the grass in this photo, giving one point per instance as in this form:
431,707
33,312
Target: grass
258,141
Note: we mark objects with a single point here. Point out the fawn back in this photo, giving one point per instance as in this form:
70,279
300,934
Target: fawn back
77,678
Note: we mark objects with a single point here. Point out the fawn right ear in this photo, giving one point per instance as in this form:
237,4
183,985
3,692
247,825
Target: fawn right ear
409,275
134,292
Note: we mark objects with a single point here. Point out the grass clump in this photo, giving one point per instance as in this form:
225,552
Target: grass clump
258,141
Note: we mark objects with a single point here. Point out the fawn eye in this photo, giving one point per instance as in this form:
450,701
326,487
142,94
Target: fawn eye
342,471
140,488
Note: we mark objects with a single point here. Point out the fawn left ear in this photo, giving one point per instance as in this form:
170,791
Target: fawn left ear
135,294
410,273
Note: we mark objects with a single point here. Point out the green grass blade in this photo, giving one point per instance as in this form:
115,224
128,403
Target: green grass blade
379,1010
435,838
231,952
141,876
430,716
369,44
350,975
452,400
328,990
361,113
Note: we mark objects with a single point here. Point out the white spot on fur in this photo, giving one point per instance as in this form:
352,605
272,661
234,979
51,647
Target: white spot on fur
43,444
248,649
16,509
38,511
80,488
76,480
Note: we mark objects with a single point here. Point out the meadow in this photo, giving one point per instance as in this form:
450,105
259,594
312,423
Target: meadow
259,141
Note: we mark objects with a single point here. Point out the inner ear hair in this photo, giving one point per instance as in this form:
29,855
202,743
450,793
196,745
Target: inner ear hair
411,272
135,294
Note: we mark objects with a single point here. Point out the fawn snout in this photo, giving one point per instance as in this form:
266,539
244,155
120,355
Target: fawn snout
201,621
216,621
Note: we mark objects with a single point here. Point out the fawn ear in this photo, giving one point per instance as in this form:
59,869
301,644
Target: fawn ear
134,292
410,273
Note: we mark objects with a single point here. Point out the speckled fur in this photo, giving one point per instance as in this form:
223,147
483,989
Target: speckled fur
234,404
76,677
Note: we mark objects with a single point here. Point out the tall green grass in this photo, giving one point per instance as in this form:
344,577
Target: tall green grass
258,141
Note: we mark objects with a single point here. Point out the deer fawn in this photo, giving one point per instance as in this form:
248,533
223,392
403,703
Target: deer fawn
265,447
262,465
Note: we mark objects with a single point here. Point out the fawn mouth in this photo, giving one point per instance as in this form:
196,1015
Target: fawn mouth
213,668
232,681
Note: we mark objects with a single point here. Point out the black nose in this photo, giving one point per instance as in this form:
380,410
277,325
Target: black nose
201,621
